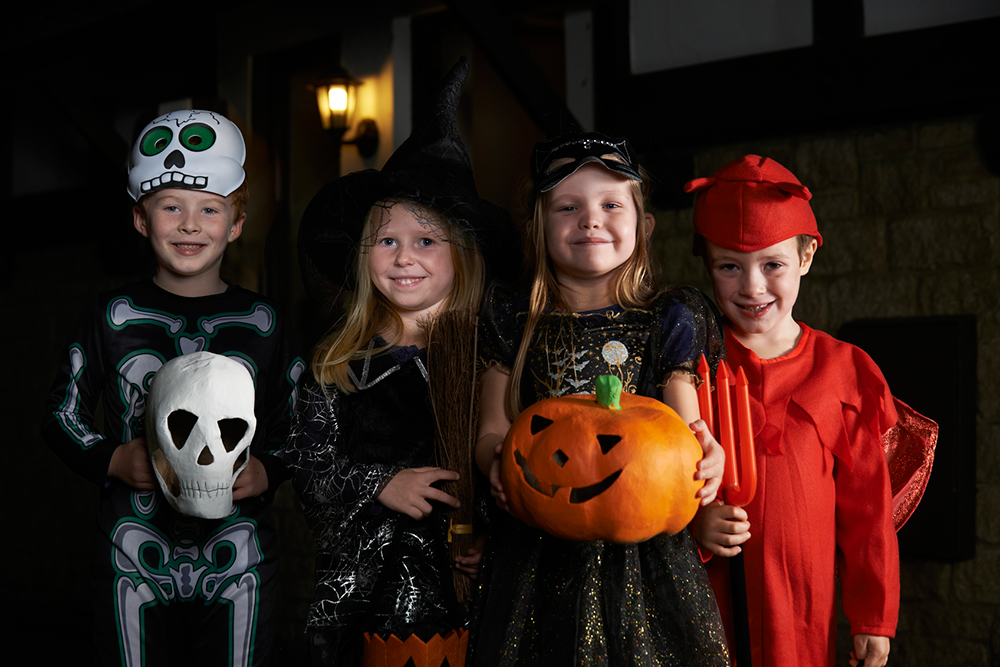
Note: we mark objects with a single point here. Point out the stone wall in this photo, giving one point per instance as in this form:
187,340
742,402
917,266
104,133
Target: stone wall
910,218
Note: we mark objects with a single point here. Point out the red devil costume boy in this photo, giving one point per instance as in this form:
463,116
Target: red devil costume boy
841,463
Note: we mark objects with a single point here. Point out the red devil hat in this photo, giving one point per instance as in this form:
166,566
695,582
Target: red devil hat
750,204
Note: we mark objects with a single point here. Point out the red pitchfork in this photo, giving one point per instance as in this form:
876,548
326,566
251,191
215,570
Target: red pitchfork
738,485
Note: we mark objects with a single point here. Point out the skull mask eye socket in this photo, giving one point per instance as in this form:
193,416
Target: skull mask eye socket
240,460
232,431
155,141
197,137
180,423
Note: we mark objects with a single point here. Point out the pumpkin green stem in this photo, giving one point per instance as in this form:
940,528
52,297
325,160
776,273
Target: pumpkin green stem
609,391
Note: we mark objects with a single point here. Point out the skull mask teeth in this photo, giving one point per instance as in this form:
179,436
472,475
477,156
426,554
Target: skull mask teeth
199,424
198,150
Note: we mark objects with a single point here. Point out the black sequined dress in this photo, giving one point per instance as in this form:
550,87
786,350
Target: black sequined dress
547,601
376,570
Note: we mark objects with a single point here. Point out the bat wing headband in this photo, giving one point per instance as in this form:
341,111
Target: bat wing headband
577,150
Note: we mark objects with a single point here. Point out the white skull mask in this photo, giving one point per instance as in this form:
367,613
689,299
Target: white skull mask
198,150
199,424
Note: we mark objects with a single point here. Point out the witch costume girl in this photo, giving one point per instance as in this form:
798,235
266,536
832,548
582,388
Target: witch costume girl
411,241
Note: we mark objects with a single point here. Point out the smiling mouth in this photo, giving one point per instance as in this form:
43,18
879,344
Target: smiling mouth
757,309
407,281
188,248
576,494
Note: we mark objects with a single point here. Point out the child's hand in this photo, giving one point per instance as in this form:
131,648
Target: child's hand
130,464
469,563
873,650
409,491
252,480
721,528
712,464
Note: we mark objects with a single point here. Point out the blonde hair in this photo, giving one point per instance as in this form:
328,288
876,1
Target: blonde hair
369,311
634,284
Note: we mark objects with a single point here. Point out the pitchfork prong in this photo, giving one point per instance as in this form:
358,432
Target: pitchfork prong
739,481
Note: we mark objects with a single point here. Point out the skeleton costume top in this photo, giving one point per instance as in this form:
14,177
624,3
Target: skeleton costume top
149,561
548,601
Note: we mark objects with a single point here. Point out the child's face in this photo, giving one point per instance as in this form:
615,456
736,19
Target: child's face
411,262
590,224
189,231
756,290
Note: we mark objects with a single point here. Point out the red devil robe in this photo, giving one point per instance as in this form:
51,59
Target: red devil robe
827,433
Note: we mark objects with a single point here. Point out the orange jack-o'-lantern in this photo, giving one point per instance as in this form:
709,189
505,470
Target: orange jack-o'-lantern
613,466
438,651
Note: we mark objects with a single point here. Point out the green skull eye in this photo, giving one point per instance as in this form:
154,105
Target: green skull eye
197,137
155,141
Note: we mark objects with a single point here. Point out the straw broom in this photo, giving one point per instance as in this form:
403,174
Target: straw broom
451,365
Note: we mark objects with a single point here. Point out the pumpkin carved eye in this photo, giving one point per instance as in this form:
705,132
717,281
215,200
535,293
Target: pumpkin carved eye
539,423
608,441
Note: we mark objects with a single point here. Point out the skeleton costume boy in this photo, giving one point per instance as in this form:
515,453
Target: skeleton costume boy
167,585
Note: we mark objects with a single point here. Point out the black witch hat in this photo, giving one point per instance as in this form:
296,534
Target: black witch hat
431,168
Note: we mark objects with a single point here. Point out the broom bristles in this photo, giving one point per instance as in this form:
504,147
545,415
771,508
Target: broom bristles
451,365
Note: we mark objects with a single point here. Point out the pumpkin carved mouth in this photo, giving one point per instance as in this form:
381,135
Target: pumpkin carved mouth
577,494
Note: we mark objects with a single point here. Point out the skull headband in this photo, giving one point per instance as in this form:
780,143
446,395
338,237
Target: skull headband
196,150
581,149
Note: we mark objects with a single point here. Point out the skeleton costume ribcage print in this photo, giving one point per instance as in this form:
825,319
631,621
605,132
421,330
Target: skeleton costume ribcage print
377,570
168,586
547,601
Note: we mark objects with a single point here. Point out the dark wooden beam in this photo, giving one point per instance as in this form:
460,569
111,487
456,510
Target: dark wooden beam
515,67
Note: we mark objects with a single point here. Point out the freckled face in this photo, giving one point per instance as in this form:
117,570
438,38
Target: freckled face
757,290
411,262
590,224
189,231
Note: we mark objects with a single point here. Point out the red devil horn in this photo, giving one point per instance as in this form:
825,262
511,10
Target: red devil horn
795,189
699,184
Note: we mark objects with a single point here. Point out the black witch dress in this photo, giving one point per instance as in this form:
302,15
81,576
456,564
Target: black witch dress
548,601
376,570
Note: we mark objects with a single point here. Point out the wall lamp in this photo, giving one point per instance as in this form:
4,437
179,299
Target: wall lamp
336,97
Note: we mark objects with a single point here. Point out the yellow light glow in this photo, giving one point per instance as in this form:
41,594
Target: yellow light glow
338,99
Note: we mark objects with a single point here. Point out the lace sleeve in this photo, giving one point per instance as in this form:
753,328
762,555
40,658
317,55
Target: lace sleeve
331,487
690,327
499,327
